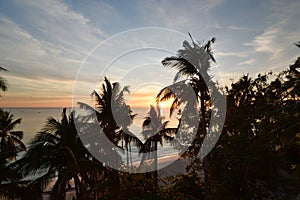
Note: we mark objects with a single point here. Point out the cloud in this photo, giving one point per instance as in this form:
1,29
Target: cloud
266,42
51,37
42,47
231,54
46,41
24,92
178,14
283,30
237,28
24,55
55,22
247,62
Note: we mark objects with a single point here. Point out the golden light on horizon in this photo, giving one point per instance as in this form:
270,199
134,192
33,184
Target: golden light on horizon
140,101
12,100
146,96
165,104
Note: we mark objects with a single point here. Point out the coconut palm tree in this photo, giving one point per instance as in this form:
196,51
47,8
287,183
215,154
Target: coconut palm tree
127,139
3,84
114,117
58,152
193,62
10,143
155,131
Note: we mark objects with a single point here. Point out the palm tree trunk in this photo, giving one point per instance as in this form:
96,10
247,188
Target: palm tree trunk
127,156
205,160
130,155
115,178
115,185
76,182
206,178
155,169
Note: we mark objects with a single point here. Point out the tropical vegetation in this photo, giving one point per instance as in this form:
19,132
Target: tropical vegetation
256,157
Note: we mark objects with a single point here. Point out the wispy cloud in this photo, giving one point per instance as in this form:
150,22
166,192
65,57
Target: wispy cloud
247,62
283,31
265,42
178,14
24,55
46,49
55,22
231,54
44,42
237,28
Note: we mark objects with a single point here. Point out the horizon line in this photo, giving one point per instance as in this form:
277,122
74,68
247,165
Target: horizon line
138,107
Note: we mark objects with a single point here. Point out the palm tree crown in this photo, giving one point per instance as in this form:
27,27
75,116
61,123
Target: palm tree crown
3,83
56,152
10,143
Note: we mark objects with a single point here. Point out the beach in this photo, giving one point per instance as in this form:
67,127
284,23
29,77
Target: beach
169,166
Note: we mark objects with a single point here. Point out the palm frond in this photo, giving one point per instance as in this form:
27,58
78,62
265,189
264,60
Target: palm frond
12,124
17,134
16,140
86,107
180,63
44,180
146,122
130,137
10,191
59,188
165,94
164,125
3,84
52,125
2,68
174,106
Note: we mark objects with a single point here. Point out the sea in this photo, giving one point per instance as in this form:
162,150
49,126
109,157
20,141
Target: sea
34,119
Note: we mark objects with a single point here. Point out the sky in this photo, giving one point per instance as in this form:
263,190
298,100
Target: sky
57,51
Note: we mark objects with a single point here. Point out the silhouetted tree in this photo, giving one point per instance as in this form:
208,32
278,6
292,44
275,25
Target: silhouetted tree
260,127
58,152
10,146
114,117
11,143
3,83
155,130
193,62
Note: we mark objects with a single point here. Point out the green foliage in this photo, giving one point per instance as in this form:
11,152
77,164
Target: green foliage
258,144
256,157
138,186
11,143
3,82
185,186
10,146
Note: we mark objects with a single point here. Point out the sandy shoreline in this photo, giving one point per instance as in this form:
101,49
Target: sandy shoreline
168,166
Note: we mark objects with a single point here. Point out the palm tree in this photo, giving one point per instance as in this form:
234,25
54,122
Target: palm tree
256,148
127,138
11,143
3,84
155,131
193,62
114,117
57,152
298,44
10,146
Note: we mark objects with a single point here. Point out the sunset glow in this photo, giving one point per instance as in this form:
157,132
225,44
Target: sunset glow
144,97
43,44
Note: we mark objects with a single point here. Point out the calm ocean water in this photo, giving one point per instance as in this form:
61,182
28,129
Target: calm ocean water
34,119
